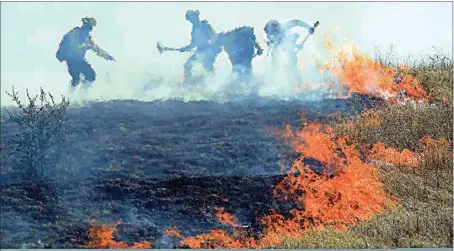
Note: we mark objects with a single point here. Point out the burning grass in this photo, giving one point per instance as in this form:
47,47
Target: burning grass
423,218
356,72
173,232
348,210
226,218
354,194
383,155
357,203
420,183
102,236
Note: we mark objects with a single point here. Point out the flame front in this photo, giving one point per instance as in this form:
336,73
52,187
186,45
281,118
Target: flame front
355,193
356,72
392,156
350,189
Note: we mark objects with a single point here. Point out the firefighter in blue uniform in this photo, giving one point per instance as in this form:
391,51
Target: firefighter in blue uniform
73,48
203,39
241,46
280,38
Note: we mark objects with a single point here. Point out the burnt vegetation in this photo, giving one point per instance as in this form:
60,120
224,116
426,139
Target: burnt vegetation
160,164
151,164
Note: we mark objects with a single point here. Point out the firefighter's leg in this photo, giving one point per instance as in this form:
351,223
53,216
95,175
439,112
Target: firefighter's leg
208,58
236,69
235,60
74,70
242,65
208,64
89,73
188,67
247,72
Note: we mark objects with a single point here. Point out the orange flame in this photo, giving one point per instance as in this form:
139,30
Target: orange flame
355,193
226,218
437,147
218,239
173,232
391,155
361,74
101,236
437,143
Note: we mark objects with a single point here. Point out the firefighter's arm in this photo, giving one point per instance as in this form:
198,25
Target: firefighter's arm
188,47
297,23
89,44
194,38
100,52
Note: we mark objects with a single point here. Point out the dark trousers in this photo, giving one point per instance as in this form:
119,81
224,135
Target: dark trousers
78,67
205,56
241,61
243,69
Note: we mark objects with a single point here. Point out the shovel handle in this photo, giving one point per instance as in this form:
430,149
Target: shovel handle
161,48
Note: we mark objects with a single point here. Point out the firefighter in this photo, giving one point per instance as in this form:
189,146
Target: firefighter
73,48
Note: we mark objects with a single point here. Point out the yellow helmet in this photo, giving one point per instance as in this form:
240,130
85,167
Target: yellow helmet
89,20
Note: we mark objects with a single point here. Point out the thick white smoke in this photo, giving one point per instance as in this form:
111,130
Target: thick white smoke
116,83
129,31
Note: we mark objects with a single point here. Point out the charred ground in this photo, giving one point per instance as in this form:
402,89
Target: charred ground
154,165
